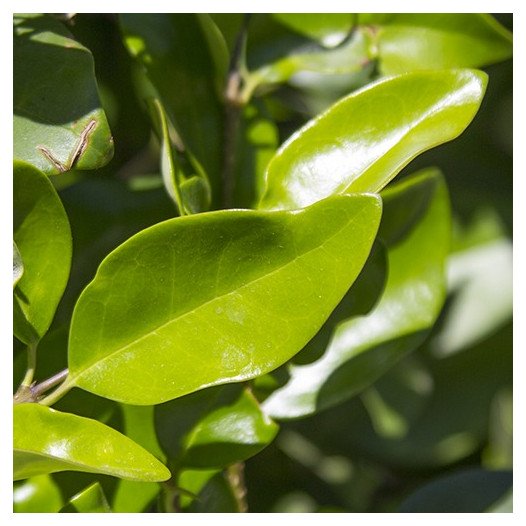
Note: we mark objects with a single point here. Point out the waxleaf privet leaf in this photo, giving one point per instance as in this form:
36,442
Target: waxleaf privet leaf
59,122
215,298
47,441
43,238
360,143
415,228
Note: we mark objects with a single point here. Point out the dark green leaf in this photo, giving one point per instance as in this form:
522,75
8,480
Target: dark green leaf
90,500
37,495
415,228
363,141
215,298
213,428
43,237
468,491
58,122
330,29
46,441
186,81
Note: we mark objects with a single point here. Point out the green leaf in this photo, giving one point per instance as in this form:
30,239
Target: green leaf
131,496
330,29
47,441
415,228
363,141
215,298
466,491
43,237
213,428
18,265
350,57
58,121
257,141
89,500
186,82
37,495
190,195
416,41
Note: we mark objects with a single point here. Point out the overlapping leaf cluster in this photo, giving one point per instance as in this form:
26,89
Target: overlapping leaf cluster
290,280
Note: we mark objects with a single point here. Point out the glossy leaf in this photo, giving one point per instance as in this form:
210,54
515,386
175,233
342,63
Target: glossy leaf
37,494
213,428
416,41
47,441
467,491
131,496
18,265
90,500
186,82
364,140
415,229
350,57
59,122
215,298
43,237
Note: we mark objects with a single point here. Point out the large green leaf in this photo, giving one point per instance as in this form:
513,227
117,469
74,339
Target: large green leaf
37,494
416,41
214,298
47,441
43,237
213,428
58,121
186,81
363,141
89,500
415,228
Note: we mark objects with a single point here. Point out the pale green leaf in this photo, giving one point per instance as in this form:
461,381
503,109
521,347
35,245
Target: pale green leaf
417,41
415,228
43,237
213,428
89,500
214,298
361,143
37,494
58,119
47,441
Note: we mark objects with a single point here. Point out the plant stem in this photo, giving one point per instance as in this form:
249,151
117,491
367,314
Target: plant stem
58,393
233,106
236,477
31,366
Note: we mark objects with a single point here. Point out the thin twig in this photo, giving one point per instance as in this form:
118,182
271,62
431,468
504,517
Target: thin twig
233,108
236,478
